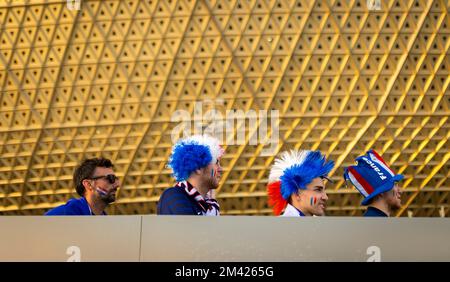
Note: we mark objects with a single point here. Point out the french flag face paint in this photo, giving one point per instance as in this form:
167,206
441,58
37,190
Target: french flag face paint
102,192
313,201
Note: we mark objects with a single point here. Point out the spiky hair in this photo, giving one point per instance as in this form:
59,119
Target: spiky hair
192,153
293,171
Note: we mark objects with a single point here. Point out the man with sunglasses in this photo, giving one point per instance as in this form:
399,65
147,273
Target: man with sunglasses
377,182
97,185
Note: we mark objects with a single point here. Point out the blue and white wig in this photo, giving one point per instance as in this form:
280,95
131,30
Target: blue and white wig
192,153
292,171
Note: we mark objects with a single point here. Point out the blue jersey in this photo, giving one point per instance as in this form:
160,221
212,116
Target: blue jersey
373,212
175,201
72,207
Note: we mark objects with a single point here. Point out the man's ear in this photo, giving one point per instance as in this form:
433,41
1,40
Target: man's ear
87,184
297,195
380,196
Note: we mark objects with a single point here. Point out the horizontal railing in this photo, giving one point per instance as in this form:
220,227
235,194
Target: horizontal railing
223,239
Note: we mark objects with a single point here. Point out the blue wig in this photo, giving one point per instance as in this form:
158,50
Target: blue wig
193,153
297,176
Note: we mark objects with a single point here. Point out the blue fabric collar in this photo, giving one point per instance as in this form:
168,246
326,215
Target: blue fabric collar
299,212
372,211
87,208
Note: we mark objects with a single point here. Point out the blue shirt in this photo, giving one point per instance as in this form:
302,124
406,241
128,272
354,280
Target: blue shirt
72,207
174,201
300,212
373,212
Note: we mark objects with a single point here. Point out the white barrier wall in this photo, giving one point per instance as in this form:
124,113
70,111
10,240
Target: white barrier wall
71,238
223,239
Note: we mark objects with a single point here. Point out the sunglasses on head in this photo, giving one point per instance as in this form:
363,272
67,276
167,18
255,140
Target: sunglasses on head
110,177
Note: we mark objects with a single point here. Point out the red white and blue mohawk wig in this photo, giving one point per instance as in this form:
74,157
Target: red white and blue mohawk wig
192,153
292,171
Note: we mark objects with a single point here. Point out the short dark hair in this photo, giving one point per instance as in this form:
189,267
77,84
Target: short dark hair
86,170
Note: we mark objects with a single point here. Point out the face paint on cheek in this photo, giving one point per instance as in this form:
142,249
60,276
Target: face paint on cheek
313,201
101,191
213,173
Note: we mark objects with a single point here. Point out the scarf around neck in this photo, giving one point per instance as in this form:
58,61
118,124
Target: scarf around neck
209,206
